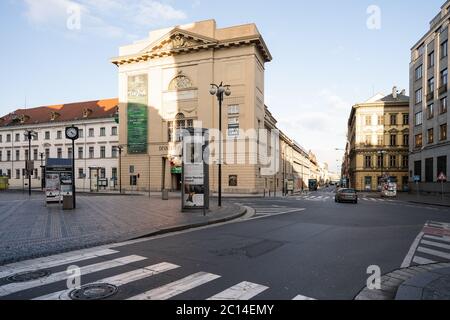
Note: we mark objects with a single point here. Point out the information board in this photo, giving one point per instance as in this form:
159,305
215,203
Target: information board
137,114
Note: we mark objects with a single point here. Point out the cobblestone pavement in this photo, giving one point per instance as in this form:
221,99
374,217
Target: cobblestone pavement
30,229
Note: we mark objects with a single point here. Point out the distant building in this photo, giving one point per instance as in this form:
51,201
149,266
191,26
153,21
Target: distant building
378,142
430,146
96,151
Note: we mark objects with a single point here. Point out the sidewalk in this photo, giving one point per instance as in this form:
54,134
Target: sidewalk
426,282
429,199
29,229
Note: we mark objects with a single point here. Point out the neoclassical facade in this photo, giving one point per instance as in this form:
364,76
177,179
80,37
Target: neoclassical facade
378,142
164,84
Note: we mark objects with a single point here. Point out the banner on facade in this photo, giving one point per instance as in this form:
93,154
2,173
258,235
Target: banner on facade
137,114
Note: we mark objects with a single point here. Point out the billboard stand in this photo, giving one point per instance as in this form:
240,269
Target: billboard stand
195,170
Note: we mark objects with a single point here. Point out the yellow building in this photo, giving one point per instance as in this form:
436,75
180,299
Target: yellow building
164,84
378,141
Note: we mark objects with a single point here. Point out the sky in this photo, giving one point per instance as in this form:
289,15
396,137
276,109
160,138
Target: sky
328,54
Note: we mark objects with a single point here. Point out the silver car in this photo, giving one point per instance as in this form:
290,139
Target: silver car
346,195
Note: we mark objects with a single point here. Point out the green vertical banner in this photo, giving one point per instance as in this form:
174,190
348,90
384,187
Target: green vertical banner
137,114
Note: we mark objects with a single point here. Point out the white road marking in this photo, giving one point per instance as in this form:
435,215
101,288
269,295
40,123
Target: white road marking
444,239
434,253
407,262
276,214
119,280
421,261
242,291
300,297
61,276
436,244
53,261
176,288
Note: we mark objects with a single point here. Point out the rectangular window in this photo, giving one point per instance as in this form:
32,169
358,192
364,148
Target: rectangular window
380,120
418,140
91,152
431,85
26,154
418,169
419,72
59,153
1,138
430,111
406,140
102,132
59,135
69,153
114,152
80,153
47,135
419,96
102,173
380,140
91,133
443,132
431,60
36,136
418,118
368,120
80,173
406,119
444,49
368,162
444,77
131,169
35,154
81,133
233,126
114,173
233,109
8,173
393,119
114,131
1,156
380,159
18,155
429,172
393,140
442,165
430,136
233,181
405,161
18,137
103,152
393,161
368,140
8,155
421,49
443,105
47,153
17,174
8,138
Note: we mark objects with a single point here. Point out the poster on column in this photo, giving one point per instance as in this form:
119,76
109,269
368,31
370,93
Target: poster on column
194,184
137,114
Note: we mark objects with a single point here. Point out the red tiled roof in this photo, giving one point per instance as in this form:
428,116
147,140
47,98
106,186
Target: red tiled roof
97,109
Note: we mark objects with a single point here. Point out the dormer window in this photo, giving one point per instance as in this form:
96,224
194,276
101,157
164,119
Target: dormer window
87,112
54,116
23,118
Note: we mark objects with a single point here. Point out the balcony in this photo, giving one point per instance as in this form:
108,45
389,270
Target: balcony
430,96
443,89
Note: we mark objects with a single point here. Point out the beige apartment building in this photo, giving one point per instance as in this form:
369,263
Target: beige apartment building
430,146
164,84
378,142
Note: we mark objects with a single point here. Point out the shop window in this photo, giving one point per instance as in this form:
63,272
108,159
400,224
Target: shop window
233,181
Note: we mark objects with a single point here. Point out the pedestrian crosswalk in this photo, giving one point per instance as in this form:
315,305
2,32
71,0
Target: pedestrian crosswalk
331,197
431,246
55,285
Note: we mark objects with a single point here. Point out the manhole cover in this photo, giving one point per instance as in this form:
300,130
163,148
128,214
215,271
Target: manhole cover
94,292
29,276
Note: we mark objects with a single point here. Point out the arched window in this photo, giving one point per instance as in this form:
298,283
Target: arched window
180,82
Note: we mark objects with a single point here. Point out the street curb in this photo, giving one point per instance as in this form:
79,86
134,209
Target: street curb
185,227
431,204
391,282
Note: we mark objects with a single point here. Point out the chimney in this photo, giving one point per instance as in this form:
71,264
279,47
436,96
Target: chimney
394,92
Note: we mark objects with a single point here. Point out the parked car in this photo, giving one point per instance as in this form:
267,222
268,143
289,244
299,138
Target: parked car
346,195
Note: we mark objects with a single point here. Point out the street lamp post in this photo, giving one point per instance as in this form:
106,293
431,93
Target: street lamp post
120,168
219,91
381,153
42,170
29,134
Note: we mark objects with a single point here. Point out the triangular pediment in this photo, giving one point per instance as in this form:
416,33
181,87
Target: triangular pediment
179,40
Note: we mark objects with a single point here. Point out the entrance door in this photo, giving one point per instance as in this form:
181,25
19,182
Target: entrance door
176,181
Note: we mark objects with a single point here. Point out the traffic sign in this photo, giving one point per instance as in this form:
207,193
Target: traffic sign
442,177
417,178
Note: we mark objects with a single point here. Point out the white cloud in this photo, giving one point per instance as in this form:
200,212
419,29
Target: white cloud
109,18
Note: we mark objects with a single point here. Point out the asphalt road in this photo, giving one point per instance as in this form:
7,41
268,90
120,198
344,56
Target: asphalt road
302,246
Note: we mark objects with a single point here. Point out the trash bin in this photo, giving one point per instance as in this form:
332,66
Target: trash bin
165,194
3,183
68,203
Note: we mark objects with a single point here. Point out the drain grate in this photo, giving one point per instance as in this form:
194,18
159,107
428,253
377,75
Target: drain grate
29,276
94,292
